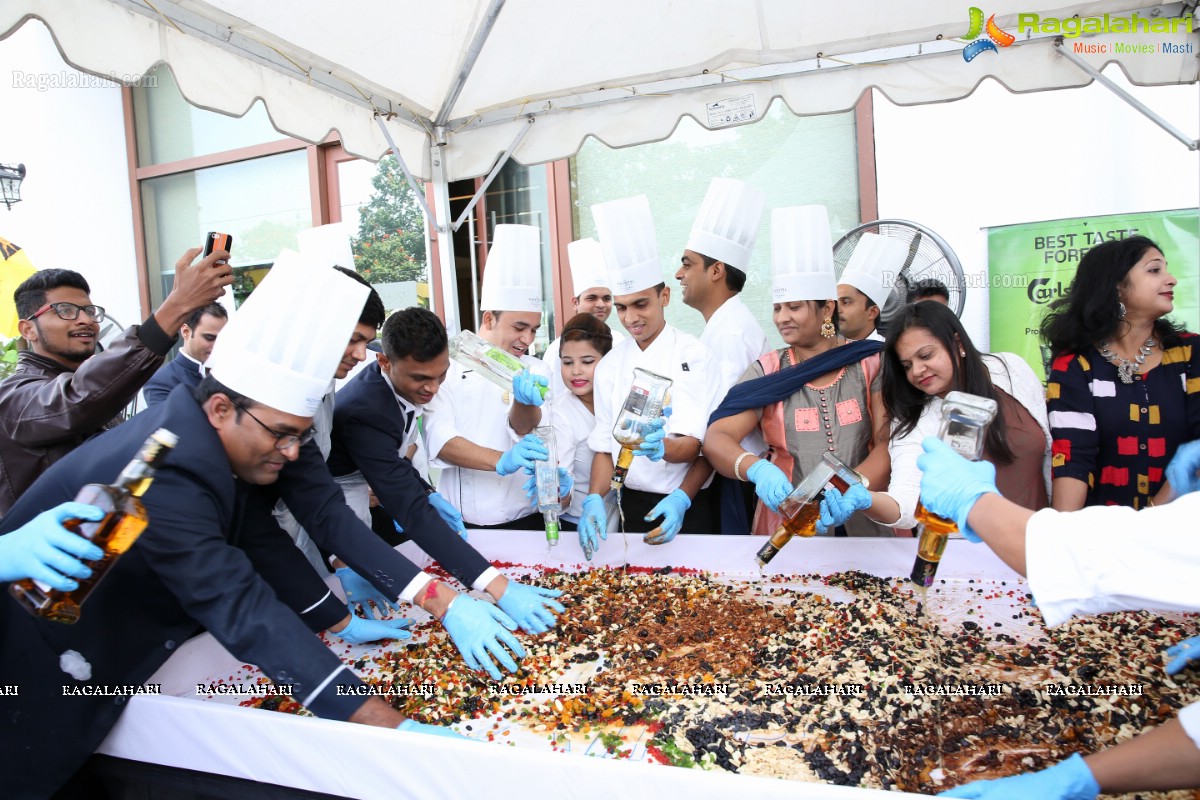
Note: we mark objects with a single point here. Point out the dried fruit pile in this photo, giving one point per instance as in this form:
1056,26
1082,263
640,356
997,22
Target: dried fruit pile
773,679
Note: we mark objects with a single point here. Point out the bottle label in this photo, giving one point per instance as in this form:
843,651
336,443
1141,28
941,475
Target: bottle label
923,572
637,400
767,552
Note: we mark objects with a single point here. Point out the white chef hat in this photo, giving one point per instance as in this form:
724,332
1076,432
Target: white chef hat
874,265
801,255
727,225
626,231
262,355
512,276
327,245
587,265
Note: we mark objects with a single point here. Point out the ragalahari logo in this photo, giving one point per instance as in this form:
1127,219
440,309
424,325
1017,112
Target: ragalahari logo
995,35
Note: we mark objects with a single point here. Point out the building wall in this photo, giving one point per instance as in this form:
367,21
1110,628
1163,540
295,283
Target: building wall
75,211
997,158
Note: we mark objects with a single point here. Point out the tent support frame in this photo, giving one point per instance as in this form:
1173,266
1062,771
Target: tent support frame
1138,105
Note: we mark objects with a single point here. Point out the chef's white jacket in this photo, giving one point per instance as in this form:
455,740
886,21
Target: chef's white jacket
472,407
676,355
573,424
1114,558
736,340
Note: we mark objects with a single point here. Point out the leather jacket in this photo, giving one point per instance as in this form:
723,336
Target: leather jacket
47,410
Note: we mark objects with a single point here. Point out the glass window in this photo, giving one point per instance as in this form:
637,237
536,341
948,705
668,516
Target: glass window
520,196
388,229
795,160
262,203
169,129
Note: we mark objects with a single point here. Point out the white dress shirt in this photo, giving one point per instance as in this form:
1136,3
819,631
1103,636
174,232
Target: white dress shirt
736,340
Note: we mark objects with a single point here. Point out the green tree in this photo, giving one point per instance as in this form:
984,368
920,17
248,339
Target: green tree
390,245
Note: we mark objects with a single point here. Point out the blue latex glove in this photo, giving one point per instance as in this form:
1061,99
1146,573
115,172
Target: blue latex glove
565,484
530,606
479,629
42,549
522,454
448,513
1181,472
836,507
529,389
361,631
671,508
950,484
359,591
770,484
1182,652
653,447
593,524
432,730
1066,780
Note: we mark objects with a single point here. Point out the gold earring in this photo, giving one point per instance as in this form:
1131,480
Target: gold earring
827,329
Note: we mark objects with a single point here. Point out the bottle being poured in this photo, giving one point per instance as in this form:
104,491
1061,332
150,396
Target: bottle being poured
800,510
965,419
488,360
549,503
644,404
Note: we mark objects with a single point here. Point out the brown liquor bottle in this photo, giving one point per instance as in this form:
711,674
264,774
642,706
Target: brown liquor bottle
800,511
123,521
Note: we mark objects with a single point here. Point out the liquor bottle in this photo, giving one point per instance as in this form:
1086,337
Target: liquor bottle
965,418
488,360
644,404
800,510
546,479
123,522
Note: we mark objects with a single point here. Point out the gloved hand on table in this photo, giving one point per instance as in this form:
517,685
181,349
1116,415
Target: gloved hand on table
593,524
479,629
770,484
42,549
1181,472
836,507
522,454
950,484
653,445
361,631
448,513
529,389
1067,780
360,591
530,606
1181,653
432,730
671,508
565,484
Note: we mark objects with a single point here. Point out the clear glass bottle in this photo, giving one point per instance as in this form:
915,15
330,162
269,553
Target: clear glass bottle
644,404
477,353
123,522
965,419
800,509
546,477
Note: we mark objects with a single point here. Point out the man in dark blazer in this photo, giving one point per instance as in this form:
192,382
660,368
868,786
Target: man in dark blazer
373,425
199,334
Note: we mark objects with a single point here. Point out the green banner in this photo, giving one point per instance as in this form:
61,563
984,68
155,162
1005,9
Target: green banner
1031,265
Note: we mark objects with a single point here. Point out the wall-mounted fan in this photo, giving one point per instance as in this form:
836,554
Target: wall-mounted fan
929,257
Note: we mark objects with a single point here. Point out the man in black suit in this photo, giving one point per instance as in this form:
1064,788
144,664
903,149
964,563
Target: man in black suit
199,334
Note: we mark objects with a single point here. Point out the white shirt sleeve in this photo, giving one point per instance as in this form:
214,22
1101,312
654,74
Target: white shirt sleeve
905,484
1110,558
604,384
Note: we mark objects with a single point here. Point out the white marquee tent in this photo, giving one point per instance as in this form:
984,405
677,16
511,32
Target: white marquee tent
454,87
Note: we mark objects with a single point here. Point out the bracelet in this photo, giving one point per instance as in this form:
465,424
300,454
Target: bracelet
738,463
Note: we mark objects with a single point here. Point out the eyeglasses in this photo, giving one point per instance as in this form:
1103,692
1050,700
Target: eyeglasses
283,441
70,311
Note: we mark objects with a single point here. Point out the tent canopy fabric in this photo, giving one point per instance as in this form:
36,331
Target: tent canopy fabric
624,71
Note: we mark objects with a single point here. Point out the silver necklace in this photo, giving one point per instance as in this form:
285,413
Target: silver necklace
1125,367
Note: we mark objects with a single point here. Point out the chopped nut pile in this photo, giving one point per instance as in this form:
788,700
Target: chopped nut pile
855,688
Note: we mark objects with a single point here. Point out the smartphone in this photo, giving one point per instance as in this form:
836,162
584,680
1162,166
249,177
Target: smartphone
217,241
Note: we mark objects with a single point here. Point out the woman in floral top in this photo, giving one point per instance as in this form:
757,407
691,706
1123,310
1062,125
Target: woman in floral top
1124,388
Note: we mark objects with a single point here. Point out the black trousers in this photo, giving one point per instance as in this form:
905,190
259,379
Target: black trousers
533,522
702,517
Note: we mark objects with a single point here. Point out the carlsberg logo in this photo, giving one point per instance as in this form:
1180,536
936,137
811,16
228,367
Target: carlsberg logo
1077,26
